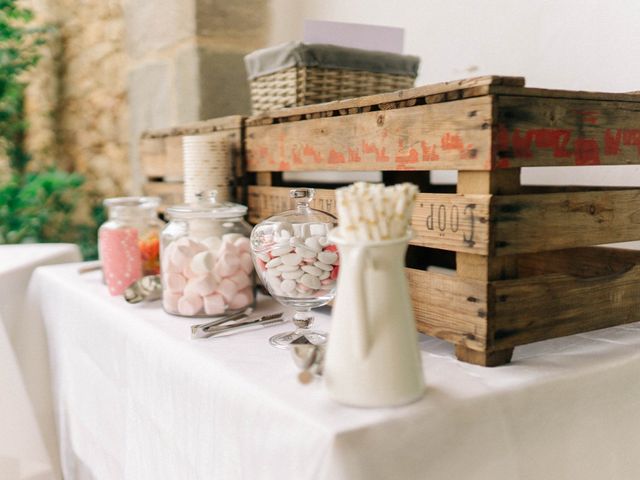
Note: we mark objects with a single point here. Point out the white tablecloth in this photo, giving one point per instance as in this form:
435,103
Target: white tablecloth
137,399
23,366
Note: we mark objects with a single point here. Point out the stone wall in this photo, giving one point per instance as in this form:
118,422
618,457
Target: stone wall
114,68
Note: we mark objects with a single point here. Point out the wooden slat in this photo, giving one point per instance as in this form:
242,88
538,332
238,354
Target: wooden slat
152,157
507,90
537,131
445,221
450,308
554,221
553,305
231,122
361,103
454,135
169,193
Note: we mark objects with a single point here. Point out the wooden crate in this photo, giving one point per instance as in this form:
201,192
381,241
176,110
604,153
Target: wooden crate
523,262
161,155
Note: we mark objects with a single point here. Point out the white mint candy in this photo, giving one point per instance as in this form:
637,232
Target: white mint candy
310,281
323,241
288,286
305,252
324,275
280,251
263,256
291,259
327,257
323,266
310,269
287,268
274,262
273,273
312,243
292,275
202,263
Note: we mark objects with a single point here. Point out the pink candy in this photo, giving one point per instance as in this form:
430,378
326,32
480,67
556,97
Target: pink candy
120,256
208,277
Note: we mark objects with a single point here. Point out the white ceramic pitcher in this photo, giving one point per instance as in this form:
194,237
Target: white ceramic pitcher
372,358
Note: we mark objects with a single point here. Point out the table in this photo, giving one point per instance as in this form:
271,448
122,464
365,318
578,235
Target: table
137,399
23,361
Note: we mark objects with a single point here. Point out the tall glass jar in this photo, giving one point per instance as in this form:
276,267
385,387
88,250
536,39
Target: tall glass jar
129,241
206,265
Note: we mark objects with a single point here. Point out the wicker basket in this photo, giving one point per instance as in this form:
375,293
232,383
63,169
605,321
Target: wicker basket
302,84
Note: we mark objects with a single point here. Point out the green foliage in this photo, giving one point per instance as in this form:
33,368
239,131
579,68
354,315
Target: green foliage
34,206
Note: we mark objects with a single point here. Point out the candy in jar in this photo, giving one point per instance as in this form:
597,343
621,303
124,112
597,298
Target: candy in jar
205,259
297,263
128,242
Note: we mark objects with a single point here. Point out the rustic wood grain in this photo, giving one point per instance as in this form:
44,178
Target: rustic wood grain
556,304
445,221
479,86
170,193
454,135
449,308
544,131
539,222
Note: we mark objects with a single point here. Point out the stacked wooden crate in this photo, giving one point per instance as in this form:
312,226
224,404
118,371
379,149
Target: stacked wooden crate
523,263
161,154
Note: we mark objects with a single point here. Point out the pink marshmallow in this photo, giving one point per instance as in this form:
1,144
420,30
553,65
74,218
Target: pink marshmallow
202,285
227,289
241,299
245,263
241,279
242,244
174,282
227,264
187,272
189,305
214,304
229,247
170,301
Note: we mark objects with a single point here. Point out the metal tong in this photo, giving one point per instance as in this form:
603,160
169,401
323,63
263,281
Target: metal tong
232,323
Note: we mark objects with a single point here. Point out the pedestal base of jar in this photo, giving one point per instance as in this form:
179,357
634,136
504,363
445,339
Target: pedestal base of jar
298,337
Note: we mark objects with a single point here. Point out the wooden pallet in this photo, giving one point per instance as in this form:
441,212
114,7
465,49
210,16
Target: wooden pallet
523,263
161,155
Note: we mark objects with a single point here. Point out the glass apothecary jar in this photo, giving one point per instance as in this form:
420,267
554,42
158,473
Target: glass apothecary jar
206,264
129,241
297,263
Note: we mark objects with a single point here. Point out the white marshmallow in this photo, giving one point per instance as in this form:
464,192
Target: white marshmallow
212,243
227,264
241,299
242,244
202,262
214,304
174,282
231,237
203,286
187,272
245,263
227,289
189,305
241,279
170,301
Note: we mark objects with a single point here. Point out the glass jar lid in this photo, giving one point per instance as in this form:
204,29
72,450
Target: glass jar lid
132,206
302,211
206,206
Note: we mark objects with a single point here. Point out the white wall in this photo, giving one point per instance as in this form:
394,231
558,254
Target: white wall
569,44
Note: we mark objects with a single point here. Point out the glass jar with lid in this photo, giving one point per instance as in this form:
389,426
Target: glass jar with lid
129,241
297,263
206,264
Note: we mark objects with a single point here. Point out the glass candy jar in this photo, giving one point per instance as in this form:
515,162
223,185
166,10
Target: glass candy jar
297,263
205,261
128,242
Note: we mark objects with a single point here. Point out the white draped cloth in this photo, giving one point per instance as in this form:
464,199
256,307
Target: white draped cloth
25,407
137,399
